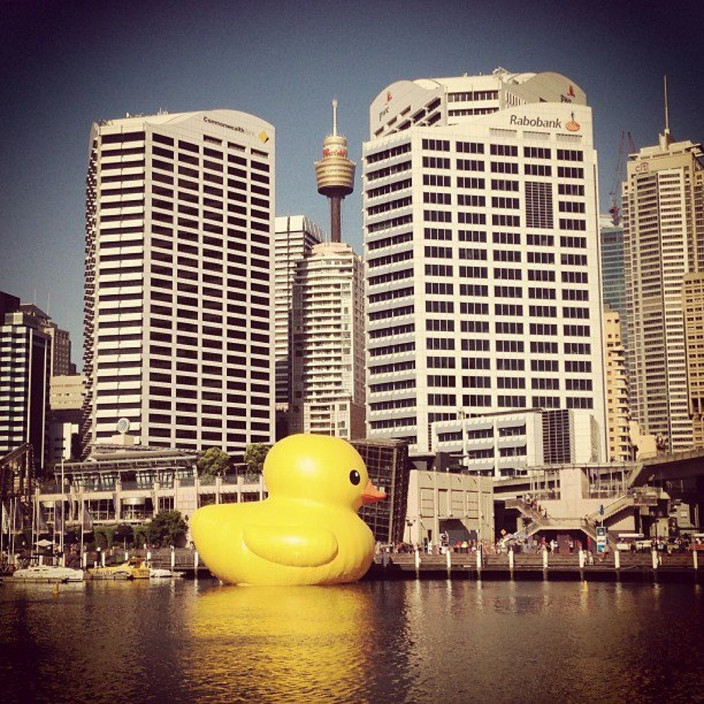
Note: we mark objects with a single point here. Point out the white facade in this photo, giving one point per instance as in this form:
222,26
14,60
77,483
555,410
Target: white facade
509,444
66,392
179,273
295,237
437,499
328,343
482,252
663,235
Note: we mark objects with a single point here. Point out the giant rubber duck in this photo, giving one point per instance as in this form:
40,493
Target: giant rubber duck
306,531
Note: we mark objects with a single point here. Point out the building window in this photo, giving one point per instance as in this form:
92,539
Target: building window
511,401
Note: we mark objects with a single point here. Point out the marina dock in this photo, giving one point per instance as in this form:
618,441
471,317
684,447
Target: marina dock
622,566
625,567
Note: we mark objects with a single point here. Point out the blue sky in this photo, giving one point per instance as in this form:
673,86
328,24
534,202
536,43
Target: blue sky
66,64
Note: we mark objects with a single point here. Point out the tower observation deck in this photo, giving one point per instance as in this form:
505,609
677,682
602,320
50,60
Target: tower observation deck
334,174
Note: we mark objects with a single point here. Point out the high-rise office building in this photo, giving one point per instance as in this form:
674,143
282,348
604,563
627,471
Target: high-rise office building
25,363
328,343
663,234
179,312
482,251
61,364
295,237
613,272
693,300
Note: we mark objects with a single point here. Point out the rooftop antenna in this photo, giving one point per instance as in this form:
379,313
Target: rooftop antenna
334,117
666,138
667,108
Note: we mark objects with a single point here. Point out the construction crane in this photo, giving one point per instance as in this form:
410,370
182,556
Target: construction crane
619,175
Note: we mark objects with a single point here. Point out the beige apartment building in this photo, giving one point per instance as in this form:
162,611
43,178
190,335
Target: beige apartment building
620,449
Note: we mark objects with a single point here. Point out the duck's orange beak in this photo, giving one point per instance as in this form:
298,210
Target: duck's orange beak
371,494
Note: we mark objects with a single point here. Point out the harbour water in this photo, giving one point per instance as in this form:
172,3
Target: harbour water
402,641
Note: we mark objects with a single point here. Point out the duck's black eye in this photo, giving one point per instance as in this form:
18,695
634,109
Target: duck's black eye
354,477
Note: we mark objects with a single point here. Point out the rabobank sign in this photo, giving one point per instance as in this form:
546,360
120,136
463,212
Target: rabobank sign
526,121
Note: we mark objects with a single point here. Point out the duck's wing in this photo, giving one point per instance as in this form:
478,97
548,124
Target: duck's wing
297,546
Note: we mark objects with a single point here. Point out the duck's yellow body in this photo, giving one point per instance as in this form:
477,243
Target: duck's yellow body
306,532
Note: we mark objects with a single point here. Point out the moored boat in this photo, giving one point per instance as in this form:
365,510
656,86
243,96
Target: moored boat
163,573
134,568
48,573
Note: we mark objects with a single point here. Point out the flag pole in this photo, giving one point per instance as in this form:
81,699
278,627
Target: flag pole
82,509
34,548
63,515
13,504
3,524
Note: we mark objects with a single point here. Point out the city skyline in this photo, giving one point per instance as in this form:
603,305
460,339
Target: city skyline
68,65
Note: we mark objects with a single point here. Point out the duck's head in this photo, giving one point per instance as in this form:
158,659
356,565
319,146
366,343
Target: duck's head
319,468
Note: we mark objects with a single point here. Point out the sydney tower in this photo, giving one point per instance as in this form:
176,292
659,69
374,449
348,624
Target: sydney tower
334,174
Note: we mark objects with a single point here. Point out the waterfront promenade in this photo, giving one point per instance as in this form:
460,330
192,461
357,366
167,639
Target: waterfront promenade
621,566
685,566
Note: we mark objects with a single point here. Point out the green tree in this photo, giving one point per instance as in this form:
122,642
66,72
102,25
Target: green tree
213,462
254,457
123,535
167,528
102,537
141,535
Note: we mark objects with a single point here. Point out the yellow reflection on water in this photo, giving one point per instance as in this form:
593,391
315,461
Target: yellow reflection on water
290,642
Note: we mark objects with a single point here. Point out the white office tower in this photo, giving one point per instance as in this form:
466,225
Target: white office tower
663,232
295,237
481,243
178,307
328,343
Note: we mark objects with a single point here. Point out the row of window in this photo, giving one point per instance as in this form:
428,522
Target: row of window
511,150
479,183
518,346
500,327
502,167
482,272
486,401
500,309
513,238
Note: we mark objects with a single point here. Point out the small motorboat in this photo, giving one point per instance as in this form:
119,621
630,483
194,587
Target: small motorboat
48,573
134,568
163,573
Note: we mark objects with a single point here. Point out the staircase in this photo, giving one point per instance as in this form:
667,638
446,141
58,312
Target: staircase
539,521
622,502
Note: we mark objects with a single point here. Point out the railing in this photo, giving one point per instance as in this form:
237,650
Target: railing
541,520
537,559
624,501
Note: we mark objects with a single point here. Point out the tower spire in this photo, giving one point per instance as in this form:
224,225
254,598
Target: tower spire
334,117
666,138
667,107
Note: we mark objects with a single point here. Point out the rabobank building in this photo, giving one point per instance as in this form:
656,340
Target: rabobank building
481,235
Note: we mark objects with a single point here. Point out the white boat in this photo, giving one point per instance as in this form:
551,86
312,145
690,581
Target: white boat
162,573
48,573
